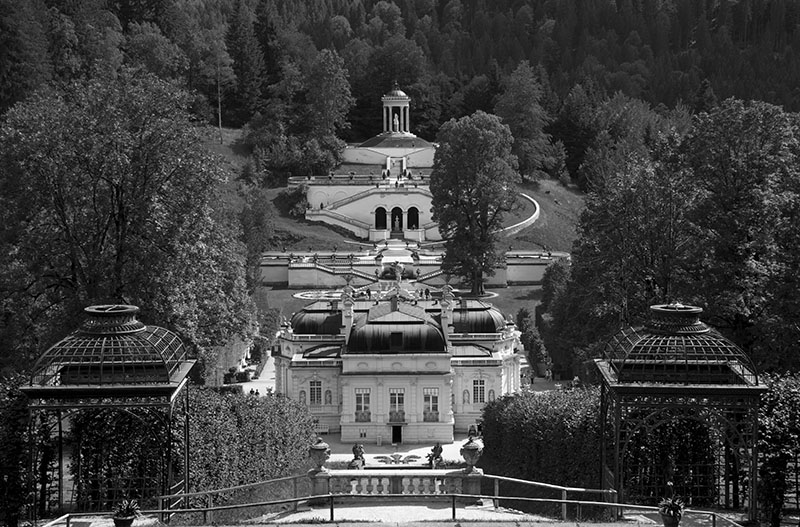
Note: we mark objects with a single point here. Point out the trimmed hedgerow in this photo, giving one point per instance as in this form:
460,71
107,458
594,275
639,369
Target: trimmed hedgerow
551,437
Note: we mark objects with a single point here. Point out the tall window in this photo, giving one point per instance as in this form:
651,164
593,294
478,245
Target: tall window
362,399
430,399
315,392
478,391
396,399
430,405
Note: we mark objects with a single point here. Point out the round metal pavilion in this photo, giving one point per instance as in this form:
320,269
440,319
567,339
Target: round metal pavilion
113,370
679,403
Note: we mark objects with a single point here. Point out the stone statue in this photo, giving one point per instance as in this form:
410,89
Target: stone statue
358,457
435,456
396,223
396,124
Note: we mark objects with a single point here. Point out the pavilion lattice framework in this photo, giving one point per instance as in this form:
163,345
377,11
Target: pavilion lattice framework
676,373
112,365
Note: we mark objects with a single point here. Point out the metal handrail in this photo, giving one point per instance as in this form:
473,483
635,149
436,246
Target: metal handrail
330,497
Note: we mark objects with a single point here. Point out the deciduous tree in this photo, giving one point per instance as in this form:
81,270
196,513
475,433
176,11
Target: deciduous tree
107,195
473,185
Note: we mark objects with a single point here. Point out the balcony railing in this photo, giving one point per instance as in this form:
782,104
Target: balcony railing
363,416
430,417
397,416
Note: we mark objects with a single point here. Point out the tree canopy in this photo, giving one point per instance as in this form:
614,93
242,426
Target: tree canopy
702,216
107,195
473,186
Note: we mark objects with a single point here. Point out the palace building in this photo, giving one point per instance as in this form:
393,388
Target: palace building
398,365
398,360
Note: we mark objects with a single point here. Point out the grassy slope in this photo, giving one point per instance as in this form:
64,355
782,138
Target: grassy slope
555,229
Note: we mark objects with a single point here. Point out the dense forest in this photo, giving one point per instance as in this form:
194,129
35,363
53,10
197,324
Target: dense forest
450,56
601,94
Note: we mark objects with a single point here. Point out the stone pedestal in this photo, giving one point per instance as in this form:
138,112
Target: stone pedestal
320,484
471,484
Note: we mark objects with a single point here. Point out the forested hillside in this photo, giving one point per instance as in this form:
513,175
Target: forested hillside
676,118
450,56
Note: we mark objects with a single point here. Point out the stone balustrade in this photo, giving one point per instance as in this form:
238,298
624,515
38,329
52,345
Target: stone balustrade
395,481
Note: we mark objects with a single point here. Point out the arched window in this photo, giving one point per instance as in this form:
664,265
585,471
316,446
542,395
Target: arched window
380,218
413,218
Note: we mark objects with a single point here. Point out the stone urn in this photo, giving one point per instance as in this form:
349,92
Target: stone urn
471,452
320,452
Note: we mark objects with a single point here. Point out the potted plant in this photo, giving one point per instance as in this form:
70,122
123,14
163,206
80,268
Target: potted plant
671,508
125,513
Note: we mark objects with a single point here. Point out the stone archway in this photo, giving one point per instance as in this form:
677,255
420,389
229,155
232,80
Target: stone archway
380,218
413,218
397,220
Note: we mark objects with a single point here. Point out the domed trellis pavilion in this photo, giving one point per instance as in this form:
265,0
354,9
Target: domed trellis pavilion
103,402
679,403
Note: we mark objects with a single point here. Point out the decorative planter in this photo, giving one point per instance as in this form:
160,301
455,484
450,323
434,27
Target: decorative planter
319,452
126,521
471,452
670,521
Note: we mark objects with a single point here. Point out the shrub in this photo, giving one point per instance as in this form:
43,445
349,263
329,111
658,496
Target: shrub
551,437
779,442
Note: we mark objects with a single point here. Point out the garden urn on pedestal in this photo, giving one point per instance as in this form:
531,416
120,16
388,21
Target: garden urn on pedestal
471,452
320,452
319,476
471,482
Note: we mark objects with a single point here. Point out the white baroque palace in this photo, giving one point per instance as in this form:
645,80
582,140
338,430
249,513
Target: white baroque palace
398,366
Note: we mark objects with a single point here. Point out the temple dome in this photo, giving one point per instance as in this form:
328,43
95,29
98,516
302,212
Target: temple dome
675,346
396,92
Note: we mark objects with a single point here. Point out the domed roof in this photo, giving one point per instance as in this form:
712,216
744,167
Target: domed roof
319,318
395,327
675,346
396,91
110,348
475,316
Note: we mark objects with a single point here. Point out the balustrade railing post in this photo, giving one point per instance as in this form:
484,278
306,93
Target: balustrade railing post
331,502
614,499
496,493
564,505
713,519
454,506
